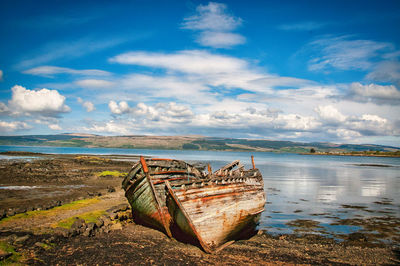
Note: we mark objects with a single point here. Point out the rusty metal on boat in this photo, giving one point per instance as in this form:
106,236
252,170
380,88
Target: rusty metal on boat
211,209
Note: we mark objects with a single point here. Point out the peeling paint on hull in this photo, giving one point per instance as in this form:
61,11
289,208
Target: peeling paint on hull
211,210
219,211
145,189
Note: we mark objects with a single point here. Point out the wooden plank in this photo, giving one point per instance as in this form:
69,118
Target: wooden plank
226,167
159,209
219,212
180,207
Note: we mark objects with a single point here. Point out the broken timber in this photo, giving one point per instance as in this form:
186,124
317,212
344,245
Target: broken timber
213,209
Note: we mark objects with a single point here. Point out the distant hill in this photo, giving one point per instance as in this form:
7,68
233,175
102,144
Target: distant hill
194,142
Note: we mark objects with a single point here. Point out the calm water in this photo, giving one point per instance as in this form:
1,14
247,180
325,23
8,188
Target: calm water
297,186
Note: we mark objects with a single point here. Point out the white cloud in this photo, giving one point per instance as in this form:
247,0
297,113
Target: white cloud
55,127
13,126
164,113
189,61
212,17
46,120
345,134
48,71
44,102
94,83
89,106
386,71
1,75
4,108
215,26
198,74
183,88
330,114
109,127
220,39
376,93
345,54
119,108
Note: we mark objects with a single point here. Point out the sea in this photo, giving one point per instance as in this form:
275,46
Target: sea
320,188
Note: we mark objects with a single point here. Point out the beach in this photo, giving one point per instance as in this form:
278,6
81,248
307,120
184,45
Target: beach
70,209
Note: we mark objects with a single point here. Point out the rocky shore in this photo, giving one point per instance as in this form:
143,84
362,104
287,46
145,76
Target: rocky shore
70,209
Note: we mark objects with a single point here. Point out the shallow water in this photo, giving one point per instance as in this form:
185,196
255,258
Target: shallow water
324,189
41,187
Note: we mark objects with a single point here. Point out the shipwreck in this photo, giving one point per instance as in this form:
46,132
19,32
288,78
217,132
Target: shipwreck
210,209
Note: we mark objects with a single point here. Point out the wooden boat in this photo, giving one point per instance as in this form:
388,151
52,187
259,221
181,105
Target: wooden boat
145,189
220,209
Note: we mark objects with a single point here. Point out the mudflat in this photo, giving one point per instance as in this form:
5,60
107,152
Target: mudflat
70,209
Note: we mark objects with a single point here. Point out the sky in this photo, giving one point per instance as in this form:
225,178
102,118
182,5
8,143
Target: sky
325,71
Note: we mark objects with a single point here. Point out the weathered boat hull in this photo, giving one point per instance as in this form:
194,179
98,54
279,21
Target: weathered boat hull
145,207
217,211
145,189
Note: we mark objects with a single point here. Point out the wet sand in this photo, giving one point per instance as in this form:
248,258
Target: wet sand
35,227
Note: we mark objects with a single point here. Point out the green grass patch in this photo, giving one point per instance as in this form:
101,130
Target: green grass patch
14,258
47,246
89,217
54,211
111,173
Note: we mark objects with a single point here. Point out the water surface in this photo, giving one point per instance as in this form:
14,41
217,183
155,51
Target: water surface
307,187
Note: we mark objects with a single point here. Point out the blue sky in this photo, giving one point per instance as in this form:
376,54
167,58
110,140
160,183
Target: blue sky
282,70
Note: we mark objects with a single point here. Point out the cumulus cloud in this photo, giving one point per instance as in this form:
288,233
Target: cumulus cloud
94,83
55,127
119,108
49,71
215,26
371,125
344,53
1,75
50,122
345,134
161,112
43,102
330,114
347,127
110,127
13,126
89,106
164,112
388,94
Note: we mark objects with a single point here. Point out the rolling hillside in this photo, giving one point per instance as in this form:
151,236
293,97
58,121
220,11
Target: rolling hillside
186,142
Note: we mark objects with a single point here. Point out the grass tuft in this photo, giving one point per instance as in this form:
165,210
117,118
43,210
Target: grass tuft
89,217
14,258
54,211
111,173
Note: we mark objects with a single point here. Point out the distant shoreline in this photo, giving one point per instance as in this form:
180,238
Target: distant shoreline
198,143
353,154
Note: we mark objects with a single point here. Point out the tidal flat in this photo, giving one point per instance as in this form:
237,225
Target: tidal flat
63,209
